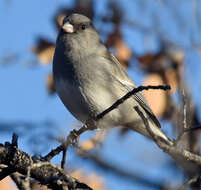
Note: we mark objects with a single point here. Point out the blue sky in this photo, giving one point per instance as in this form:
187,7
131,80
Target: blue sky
24,97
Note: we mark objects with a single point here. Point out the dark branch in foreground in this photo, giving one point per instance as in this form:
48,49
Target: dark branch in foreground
44,172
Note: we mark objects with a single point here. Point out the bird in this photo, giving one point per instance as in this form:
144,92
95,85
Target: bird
89,79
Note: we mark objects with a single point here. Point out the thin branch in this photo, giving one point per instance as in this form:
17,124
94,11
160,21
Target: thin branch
184,111
192,129
184,127
63,161
189,182
183,157
128,95
72,138
109,166
14,139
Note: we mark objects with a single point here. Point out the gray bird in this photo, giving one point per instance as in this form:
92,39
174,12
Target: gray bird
89,79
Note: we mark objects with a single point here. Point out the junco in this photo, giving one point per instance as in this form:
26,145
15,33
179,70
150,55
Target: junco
89,79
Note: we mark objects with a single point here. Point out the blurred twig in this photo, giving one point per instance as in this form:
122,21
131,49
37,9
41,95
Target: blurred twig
117,170
190,182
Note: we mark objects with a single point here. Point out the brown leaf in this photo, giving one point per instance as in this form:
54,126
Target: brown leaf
171,78
176,54
88,145
50,84
44,50
155,98
93,180
60,19
146,59
7,184
123,53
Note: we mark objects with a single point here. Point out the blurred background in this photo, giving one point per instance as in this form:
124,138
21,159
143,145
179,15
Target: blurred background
157,41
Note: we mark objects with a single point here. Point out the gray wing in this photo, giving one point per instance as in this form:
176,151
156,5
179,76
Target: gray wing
143,103
121,76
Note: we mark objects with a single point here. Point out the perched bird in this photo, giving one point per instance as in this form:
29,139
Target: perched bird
89,79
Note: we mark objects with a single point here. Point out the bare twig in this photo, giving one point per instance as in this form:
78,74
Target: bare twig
184,110
192,129
190,182
146,123
72,138
109,166
14,140
184,127
183,157
128,95
63,161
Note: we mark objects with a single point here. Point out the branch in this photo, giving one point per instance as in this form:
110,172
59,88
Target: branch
128,95
44,172
189,182
109,166
183,157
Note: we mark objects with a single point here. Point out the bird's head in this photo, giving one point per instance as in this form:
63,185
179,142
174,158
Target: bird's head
78,34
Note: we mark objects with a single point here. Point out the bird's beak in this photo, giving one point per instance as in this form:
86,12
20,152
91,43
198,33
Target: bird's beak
68,28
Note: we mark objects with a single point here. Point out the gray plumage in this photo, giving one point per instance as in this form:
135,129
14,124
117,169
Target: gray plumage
89,79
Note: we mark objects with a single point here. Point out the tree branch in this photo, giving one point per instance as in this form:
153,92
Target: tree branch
44,172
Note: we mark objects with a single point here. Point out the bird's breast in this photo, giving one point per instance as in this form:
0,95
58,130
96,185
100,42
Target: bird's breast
73,98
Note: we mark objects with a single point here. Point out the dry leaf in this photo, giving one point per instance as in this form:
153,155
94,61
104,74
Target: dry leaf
60,19
176,54
171,77
88,145
50,84
44,51
7,184
146,59
155,98
123,53
93,180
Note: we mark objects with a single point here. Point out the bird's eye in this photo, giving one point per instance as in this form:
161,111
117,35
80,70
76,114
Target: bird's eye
83,26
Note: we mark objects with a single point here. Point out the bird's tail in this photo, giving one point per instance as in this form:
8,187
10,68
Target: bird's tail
153,131
158,133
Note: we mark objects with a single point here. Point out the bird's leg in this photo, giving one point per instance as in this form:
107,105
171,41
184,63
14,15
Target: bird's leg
73,137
